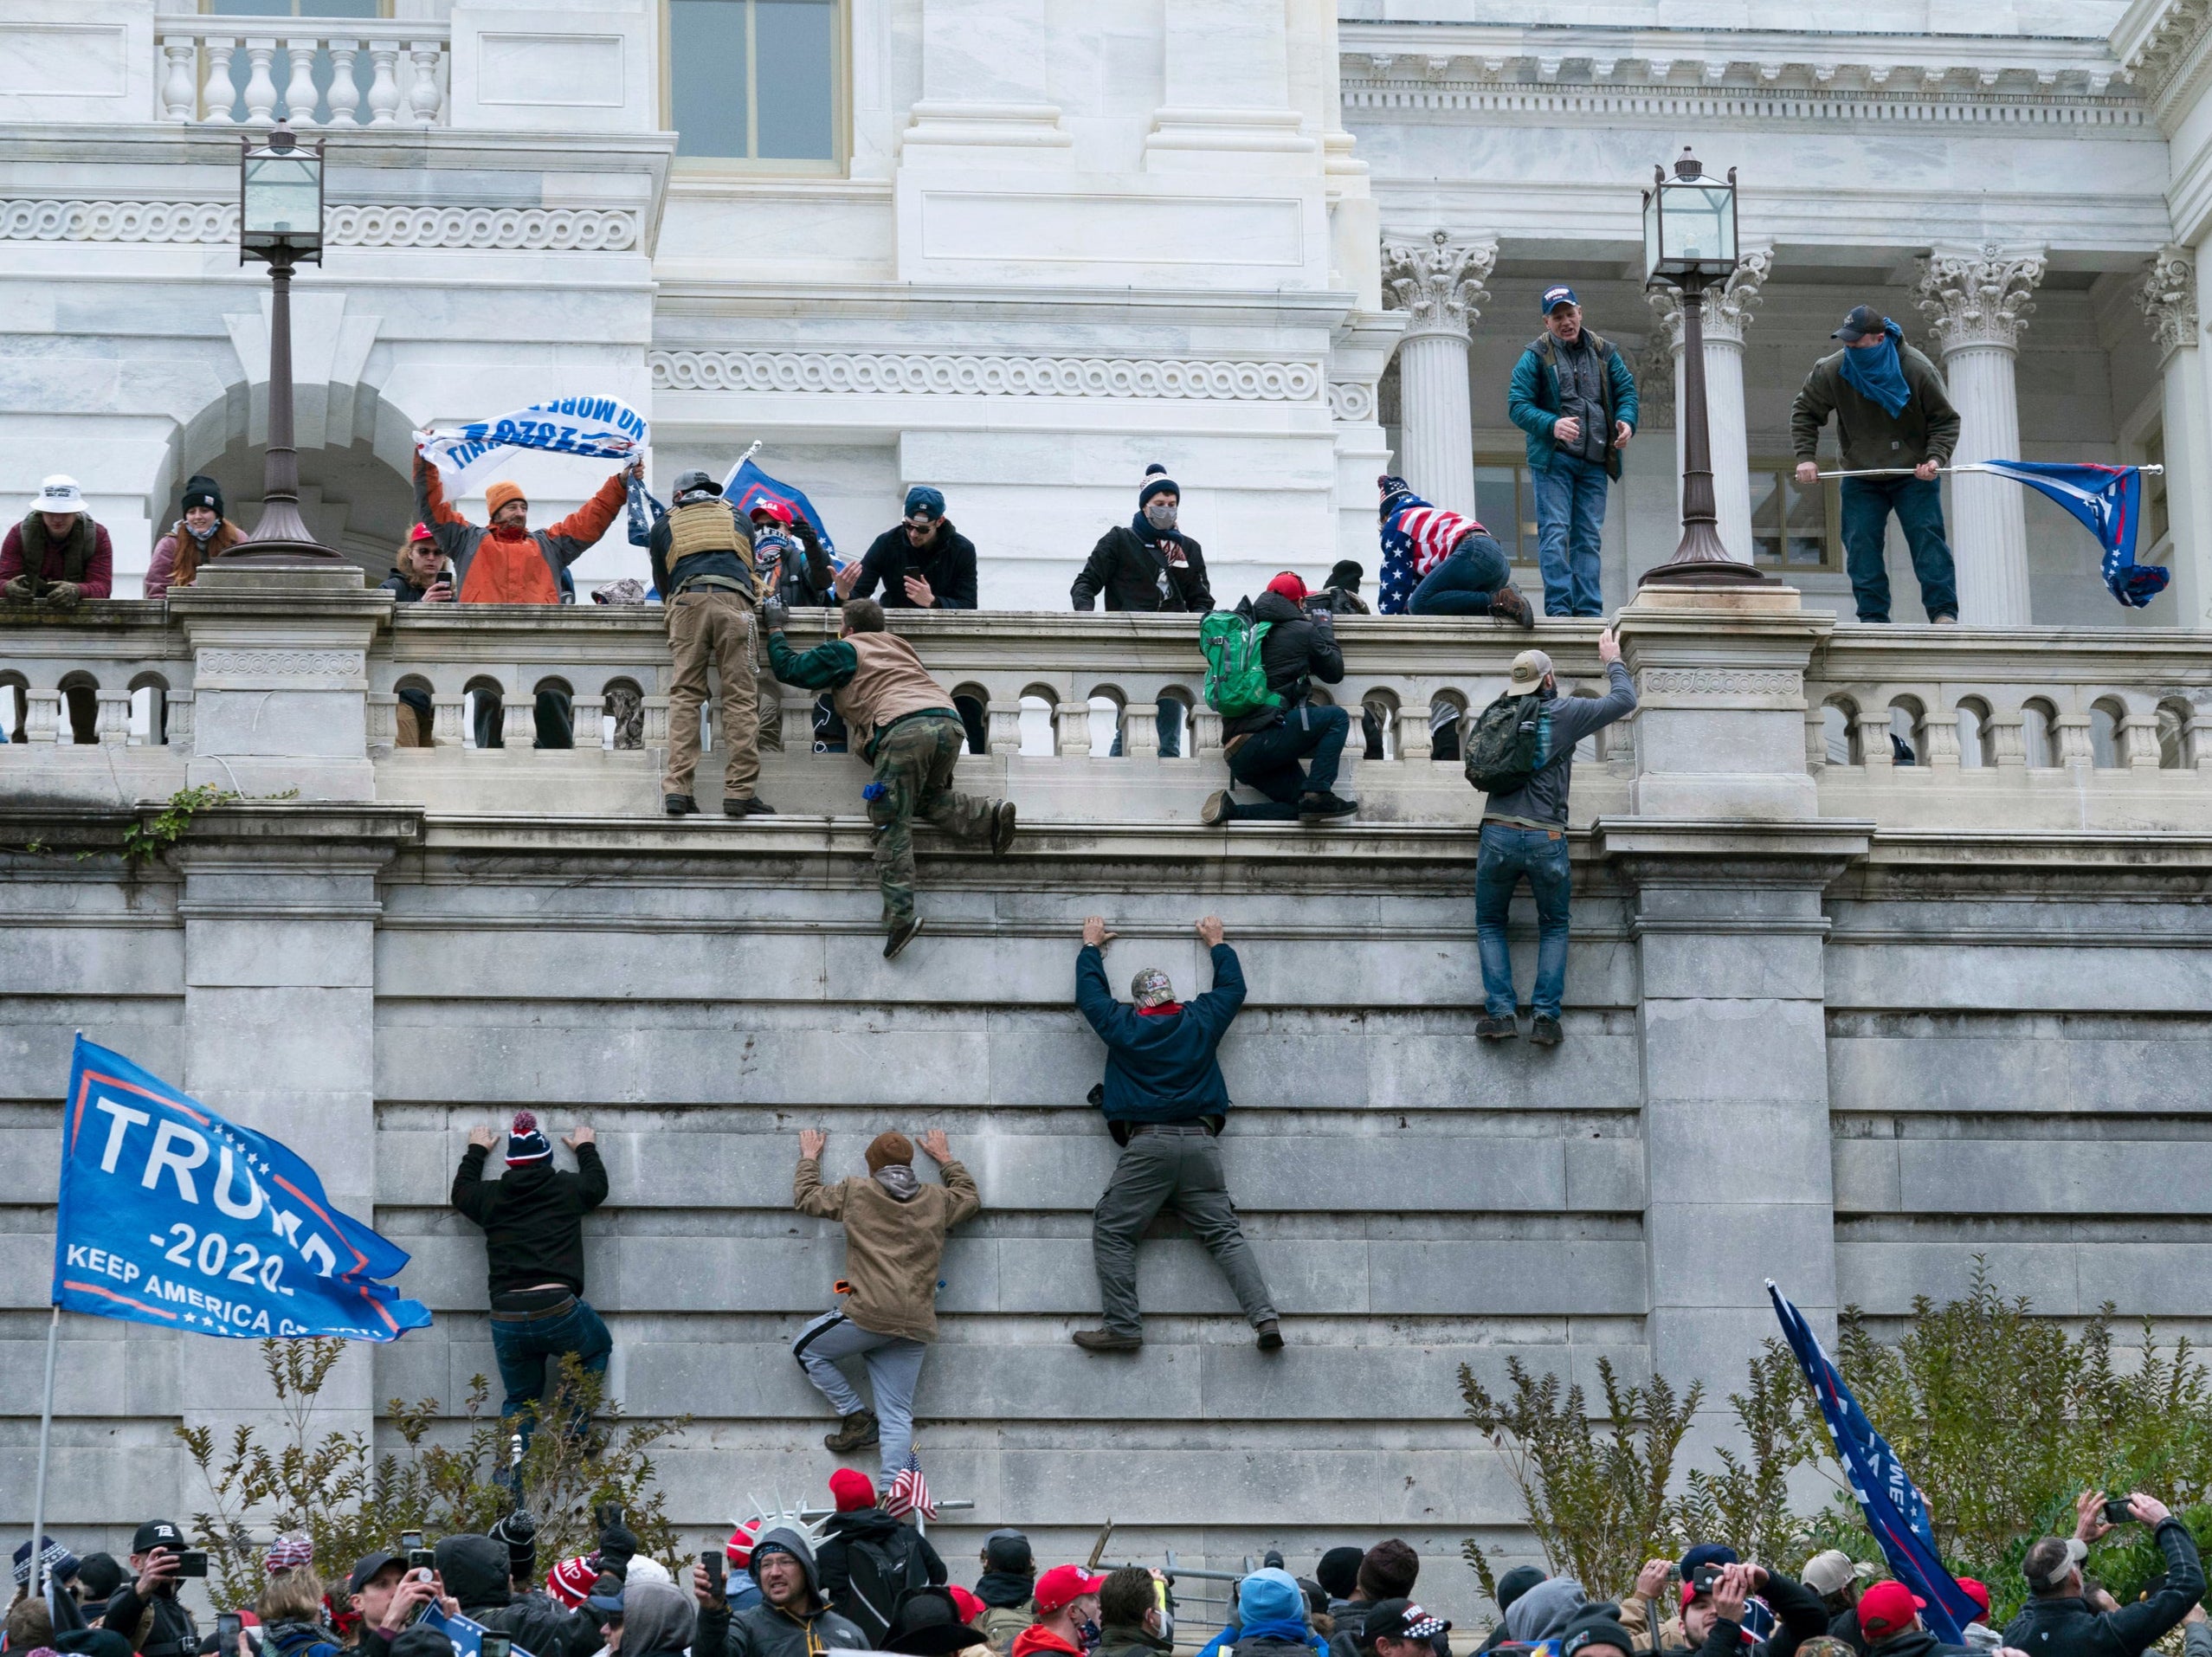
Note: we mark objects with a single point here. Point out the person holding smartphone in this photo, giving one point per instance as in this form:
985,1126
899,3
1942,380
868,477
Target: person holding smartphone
421,574
2059,1621
146,1609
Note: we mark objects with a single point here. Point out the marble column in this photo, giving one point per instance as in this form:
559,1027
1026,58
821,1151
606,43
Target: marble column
1226,73
1438,283
2168,295
1976,304
985,100
1727,317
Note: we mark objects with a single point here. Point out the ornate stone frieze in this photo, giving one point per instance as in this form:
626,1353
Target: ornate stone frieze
2168,296
1819,105
1438,281
1720,681
278,664
1350,400
918,374
2179,29
536,229
1977,299
1727,308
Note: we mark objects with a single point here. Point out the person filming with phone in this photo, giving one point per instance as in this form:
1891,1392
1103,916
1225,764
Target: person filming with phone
2059,1621
145,1610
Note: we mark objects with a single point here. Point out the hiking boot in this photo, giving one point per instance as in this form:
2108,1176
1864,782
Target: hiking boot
1314,807
857,1432
1508,603
1271,1336
901,935
1002,828
1544,1032
680,805
1496,1029
1215,812
1105,1340
748,808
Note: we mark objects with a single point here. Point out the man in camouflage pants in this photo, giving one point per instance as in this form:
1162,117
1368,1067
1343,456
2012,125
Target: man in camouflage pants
903,720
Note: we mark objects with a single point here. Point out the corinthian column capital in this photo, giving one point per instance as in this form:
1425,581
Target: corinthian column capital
1977,299
2168,296
1725,309
1438,281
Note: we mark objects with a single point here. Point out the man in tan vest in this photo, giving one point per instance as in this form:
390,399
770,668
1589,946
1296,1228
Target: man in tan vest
702,566
904,721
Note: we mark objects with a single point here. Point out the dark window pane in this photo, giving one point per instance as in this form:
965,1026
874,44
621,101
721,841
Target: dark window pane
707,76
256,7
1766,517
339,8
1494,503
1807,524
1525,481
797,105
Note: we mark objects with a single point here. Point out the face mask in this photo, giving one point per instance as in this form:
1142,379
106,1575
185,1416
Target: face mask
1089,1634
1162,1621
1159,513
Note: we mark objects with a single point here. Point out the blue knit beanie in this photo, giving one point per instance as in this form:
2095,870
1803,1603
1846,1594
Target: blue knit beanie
1156,483
526,1144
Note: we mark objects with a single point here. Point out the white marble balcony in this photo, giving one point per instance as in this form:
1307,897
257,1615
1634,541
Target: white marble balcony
221,71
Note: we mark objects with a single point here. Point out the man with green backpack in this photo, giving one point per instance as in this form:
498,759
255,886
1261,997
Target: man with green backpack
1260,669
1521,751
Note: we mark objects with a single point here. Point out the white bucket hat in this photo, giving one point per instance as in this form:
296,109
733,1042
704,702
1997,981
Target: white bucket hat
60,493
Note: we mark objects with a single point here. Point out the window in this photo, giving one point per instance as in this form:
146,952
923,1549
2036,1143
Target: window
1505,502
1793,525
757,80
2154,484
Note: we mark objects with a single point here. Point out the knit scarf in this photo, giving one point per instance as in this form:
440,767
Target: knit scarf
1877,375
194,549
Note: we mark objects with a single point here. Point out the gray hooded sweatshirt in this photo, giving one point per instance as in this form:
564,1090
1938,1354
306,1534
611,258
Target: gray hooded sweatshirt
657,1619
763,1630
1544,1609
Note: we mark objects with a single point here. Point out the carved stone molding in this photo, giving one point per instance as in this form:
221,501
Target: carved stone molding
1654,368
1350,400
1977,299
1437,281
2168,296
2180,29
1720,681
278,664
920,375
1727,309
535,229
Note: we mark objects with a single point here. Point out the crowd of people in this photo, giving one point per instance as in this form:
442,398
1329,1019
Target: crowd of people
861,1578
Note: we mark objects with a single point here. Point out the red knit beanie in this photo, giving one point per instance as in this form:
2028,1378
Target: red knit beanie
1289,586
852,1489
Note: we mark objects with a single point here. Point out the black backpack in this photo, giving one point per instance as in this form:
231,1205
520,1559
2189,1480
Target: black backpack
1508,742
878,1572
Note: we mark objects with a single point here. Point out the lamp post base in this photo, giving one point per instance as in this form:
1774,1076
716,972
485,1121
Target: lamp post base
282,540
1702,561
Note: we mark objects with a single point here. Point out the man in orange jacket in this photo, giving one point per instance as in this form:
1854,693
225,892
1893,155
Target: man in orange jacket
507,563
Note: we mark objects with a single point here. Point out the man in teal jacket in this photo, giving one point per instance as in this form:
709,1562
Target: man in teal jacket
1573,395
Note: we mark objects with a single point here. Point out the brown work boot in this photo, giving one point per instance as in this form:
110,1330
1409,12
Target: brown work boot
1105,1340
1271,1336
1507,602
857,1432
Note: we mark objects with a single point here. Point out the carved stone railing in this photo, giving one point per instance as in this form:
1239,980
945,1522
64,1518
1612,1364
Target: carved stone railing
320,72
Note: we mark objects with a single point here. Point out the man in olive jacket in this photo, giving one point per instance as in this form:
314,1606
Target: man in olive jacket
894,1242
1892,414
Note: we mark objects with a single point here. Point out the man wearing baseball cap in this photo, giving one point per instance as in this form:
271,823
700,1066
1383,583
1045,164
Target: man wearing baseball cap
1574,396
146,1611
1893,415
2059,1622
1068,1607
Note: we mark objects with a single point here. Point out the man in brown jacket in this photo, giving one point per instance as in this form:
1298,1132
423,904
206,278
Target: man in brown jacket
894,1239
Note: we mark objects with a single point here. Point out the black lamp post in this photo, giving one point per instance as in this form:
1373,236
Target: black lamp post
281,222
1690,243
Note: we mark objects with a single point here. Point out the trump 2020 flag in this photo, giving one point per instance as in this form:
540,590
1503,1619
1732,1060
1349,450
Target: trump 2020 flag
602,429
2106,500
1895,1514
747,483
171,1215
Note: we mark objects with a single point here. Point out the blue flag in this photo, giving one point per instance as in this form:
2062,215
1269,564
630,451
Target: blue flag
172,1216
2108,500
466,1633
1895,1514
747,484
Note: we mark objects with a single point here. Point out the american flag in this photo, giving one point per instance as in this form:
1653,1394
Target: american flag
1416,538
909,1490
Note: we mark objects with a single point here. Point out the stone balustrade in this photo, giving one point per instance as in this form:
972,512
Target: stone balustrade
217,70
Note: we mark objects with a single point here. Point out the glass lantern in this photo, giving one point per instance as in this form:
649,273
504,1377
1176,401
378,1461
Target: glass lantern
280,200
1689,226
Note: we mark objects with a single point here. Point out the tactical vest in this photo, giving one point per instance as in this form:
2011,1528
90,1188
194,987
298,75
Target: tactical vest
705,526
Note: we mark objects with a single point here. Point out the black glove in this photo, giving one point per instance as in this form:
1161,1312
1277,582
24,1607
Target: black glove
774,616
617,1546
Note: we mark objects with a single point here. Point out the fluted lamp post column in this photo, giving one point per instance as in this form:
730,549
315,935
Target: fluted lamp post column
280,223
1689,241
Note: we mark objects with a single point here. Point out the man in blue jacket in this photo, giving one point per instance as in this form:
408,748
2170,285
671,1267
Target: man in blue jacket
1573,395
1165,1102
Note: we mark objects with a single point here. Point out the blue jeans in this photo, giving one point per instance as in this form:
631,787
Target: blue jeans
523,1350
1461,585
1570,524
1268,761
1867,503
1508,854
1169,723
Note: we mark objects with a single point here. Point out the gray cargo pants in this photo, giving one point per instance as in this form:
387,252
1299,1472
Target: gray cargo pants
894,1369
1178,1162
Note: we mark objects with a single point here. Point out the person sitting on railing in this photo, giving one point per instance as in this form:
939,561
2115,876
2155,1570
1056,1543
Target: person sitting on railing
507,563
903,721
200,536
1263,747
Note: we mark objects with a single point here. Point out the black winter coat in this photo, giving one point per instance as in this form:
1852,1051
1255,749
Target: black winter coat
808,580
171,1633
2068,1628
533,1217
1296,651
474,1569
948,564
832,1559
1133,574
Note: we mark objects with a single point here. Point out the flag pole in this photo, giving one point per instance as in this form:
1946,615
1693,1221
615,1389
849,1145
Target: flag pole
45,1443
1965,466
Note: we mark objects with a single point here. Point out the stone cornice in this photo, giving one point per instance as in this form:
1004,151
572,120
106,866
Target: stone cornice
1436,280
2158,39
924,374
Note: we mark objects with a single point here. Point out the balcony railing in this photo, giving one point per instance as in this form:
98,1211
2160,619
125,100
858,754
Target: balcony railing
314,72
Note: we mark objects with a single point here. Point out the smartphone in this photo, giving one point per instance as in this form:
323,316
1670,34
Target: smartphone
228,1625
410,1541
1706,1575
712,1565
191,1563
495,1645
2117,1511
423,1559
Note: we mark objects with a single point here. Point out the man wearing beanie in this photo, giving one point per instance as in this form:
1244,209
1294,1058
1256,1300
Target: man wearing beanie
200,536
869,1560
1147,563
533,1244
894,1244
1007,1589
921,563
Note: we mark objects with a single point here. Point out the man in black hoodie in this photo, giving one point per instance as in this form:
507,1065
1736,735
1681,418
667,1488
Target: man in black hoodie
868,1560
145,1610
533,1243
792,1620
473,1571
1263,747
2058,1620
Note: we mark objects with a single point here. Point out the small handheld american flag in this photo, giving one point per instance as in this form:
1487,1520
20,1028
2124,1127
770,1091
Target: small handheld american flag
909,1492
